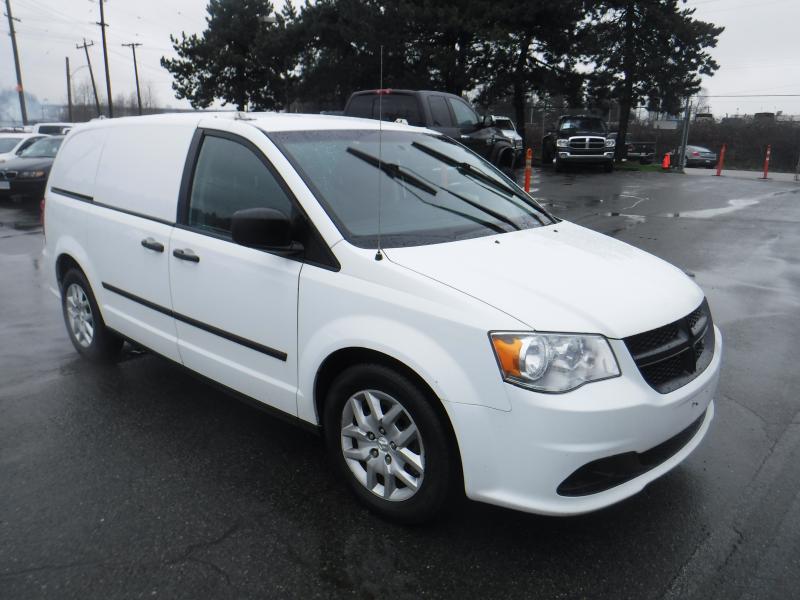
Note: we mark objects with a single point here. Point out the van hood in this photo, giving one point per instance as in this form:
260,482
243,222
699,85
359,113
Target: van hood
562,277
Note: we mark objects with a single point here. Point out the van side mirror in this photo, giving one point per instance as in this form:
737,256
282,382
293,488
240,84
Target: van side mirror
263,228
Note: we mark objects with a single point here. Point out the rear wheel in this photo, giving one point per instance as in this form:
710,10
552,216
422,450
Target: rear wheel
388,442
85,326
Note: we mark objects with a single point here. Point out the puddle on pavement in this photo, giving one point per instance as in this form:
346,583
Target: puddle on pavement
708,213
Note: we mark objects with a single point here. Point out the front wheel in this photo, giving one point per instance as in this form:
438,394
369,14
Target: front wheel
608,167
388,442
85,326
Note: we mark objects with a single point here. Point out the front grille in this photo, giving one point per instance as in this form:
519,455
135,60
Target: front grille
586,143
8,175
671,356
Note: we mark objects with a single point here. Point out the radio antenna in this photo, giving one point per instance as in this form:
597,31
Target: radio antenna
379,253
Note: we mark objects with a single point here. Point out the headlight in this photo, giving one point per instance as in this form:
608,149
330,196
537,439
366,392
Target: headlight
562,143
553,362
31,174
611,143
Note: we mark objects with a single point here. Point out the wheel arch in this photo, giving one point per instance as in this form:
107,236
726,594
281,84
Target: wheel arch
64,263
341,359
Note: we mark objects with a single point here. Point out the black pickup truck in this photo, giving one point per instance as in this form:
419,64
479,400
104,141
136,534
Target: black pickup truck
579,139
443,112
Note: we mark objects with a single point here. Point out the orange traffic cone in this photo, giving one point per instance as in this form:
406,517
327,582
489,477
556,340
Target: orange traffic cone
665,162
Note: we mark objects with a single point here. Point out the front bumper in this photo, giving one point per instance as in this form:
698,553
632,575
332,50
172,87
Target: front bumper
23,188
701,162
518,459
566,156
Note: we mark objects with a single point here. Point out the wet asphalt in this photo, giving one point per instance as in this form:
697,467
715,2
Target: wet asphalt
138,481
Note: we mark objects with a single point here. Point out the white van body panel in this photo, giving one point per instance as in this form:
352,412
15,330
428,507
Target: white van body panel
77,173
142,166
610,287
247,293
383,307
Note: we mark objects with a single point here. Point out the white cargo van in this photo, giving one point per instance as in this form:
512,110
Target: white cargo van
385,284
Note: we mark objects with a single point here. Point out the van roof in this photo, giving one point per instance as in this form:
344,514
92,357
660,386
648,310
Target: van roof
266,121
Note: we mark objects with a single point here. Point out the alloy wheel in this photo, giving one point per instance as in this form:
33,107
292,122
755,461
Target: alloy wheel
79,315
382,445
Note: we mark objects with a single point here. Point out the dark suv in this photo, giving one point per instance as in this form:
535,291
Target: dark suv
579,139
440,111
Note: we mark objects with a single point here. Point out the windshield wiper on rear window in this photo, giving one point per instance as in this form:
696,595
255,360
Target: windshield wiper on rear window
393,170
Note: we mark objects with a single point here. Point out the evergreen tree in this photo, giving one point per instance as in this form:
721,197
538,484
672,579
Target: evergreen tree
651,51
241,58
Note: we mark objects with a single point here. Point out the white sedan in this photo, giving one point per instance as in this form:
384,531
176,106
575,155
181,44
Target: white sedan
12,144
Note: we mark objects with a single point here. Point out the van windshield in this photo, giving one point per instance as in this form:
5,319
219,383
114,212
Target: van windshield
431,189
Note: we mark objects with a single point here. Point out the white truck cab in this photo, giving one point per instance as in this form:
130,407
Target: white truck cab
384,284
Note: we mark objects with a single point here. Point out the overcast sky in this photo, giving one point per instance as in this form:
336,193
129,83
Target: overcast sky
759,52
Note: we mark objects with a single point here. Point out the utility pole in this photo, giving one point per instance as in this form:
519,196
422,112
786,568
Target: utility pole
103,26
69,92
136,73
22,109
85,47
684,135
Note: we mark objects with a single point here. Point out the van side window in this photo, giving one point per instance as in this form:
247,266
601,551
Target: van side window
439,111
230,177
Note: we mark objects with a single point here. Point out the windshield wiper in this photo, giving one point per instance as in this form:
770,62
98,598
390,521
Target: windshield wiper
465,168
468,169
397,172
478,206
393,170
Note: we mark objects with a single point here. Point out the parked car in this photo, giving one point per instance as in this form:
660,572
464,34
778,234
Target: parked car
392,289
446,113
644,152
579,139
508,129
12,144
698,156
25,177
52,128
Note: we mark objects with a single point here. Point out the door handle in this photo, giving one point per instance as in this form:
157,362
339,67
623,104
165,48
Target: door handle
186,255
151,244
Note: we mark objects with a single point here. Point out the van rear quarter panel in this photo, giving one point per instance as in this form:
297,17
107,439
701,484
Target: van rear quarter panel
141,167
74,170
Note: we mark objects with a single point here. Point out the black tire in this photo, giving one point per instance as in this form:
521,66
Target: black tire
559,165
104,346
608,167
434,445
